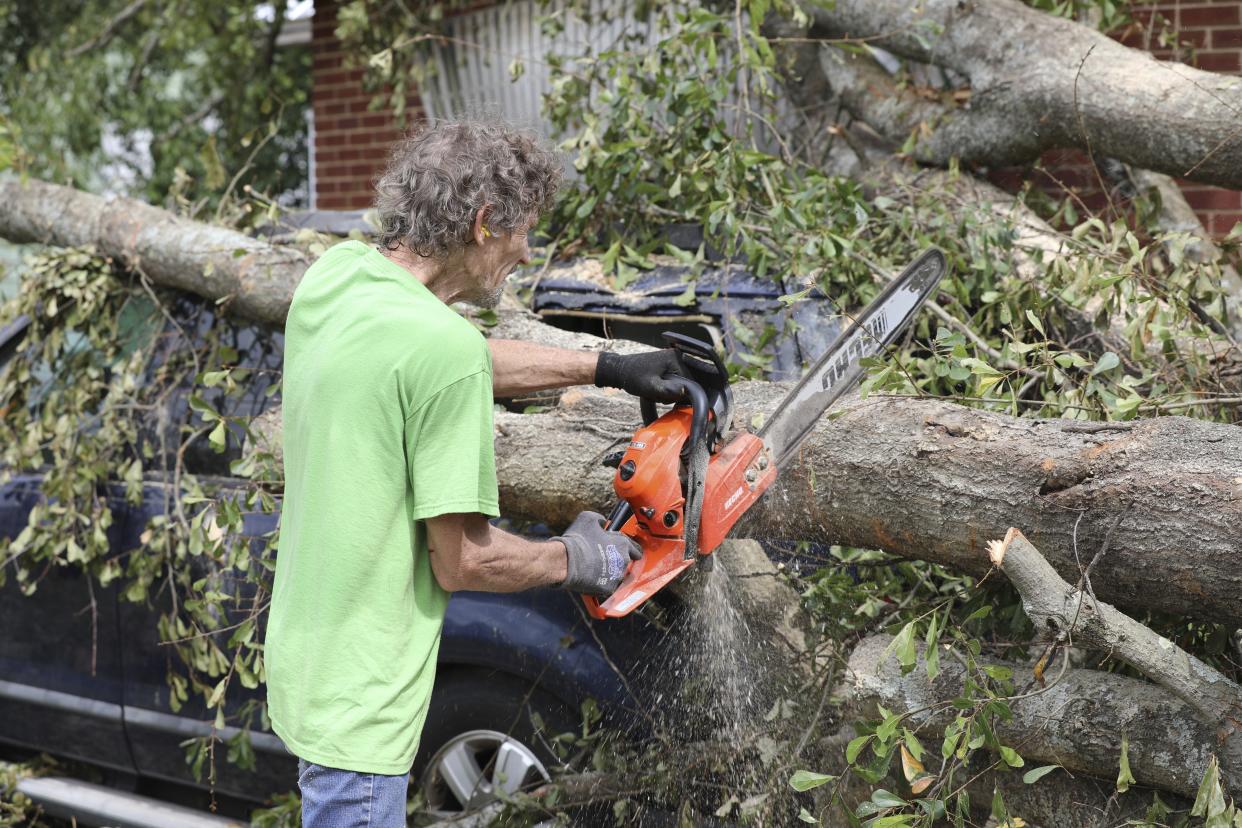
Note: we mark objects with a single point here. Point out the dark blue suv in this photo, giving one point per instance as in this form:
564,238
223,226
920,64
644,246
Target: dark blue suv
83,672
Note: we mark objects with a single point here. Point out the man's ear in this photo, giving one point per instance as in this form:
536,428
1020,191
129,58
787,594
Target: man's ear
479,231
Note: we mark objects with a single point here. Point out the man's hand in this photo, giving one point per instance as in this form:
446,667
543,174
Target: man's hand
656,375
596,558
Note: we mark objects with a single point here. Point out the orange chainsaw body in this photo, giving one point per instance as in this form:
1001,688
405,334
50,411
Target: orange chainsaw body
649,478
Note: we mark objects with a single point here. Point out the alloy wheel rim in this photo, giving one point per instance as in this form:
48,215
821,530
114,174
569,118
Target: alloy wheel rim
476,768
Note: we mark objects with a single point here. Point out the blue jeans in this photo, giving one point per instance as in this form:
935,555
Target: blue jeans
334,798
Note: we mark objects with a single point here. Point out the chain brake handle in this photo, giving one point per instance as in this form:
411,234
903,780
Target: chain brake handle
709,374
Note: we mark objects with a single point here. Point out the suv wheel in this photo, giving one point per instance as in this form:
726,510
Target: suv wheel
476,767
483,738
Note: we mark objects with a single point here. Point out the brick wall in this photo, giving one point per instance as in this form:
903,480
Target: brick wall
1206,34
351,142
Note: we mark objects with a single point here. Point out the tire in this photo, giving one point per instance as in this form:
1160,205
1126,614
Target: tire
481,735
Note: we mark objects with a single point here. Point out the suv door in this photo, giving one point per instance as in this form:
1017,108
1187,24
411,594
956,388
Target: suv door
61,675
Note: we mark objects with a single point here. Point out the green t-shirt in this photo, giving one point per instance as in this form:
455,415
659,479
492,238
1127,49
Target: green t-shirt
387,421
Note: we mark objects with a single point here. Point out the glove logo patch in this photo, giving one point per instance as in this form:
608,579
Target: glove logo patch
615,562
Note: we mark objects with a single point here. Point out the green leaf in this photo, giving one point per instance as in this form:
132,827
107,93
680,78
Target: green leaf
1035,774
893,821
213,378
855,747
686,297
1106,362
904,647
585,208
1034,320
1210,796
982,612
1124,778
887,799
805,780
218,437
888,727
998,672
1011,757
218,692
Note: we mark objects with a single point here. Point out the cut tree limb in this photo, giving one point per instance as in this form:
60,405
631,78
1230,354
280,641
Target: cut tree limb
257,278
1038,81
1077,721
1071,615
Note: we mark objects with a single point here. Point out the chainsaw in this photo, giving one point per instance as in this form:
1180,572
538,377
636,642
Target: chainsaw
681,487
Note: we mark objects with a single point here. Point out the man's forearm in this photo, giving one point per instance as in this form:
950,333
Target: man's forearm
493,560
520,367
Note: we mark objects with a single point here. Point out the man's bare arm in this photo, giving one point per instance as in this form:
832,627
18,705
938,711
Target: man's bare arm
519,367
467,552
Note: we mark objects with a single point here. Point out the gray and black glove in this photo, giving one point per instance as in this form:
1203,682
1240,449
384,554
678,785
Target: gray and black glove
596,558
656,375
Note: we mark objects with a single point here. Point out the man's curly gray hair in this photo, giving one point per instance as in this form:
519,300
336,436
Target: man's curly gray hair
438,179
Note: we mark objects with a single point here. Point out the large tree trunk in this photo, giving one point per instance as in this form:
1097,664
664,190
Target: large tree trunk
1037,81
962,476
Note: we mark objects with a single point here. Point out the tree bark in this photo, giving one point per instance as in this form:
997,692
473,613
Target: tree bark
1037,81
1072,615
1077,721
214,262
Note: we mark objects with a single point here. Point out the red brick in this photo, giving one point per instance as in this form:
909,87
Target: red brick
1226,38
326,109
1222,224
1218,61
1192,38
1217,14
1213,199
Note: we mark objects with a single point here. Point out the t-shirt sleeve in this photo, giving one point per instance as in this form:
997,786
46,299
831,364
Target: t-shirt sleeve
449,450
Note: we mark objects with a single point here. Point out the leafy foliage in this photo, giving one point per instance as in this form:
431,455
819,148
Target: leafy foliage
156,95
100,401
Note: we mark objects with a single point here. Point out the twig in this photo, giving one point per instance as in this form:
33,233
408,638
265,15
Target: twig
109,30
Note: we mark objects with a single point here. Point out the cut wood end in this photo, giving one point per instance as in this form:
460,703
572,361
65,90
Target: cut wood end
997,548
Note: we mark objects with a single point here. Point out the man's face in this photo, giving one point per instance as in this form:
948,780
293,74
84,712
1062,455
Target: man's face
493,260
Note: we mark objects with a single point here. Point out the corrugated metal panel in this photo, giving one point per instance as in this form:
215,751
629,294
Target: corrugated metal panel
471,68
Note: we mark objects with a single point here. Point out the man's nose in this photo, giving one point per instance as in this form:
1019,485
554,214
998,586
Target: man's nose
525,253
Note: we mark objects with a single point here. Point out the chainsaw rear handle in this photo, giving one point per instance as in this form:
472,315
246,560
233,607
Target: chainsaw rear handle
699,408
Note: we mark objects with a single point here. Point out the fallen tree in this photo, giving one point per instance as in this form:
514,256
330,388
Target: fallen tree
963,475
1034,81
1165,492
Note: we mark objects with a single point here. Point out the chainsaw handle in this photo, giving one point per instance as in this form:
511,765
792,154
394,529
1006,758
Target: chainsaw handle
698,413
619,515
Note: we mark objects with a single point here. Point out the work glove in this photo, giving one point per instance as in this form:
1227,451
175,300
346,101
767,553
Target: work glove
596,558
656,375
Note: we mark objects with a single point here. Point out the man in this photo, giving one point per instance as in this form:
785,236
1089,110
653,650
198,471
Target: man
389,470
